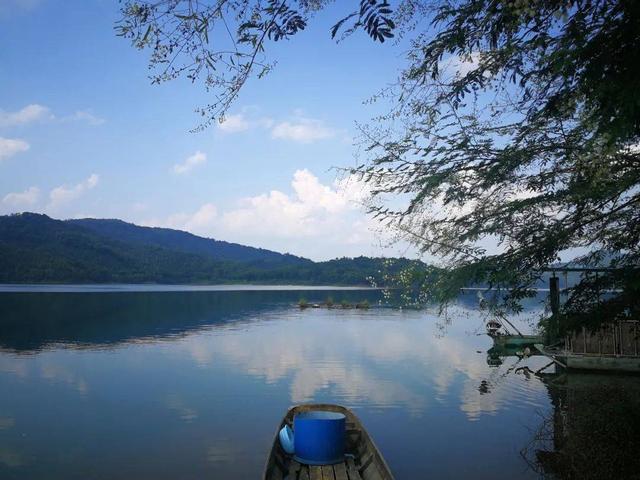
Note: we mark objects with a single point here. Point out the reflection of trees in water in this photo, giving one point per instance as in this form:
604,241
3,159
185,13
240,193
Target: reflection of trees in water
33,321
593,431
467,308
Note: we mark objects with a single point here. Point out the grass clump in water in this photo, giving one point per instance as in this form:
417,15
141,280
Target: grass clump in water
363,305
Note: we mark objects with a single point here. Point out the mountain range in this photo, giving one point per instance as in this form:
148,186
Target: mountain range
35,248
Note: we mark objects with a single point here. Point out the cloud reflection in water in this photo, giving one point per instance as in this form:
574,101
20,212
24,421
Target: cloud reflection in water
389,359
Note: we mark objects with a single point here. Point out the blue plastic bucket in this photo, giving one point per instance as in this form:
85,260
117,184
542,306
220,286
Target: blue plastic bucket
319,437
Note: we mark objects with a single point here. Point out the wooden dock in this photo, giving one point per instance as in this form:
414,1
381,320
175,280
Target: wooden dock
614,347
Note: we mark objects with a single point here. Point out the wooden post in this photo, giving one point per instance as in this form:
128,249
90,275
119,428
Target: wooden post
554,321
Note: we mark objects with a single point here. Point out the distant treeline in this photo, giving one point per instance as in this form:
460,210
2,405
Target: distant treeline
35,248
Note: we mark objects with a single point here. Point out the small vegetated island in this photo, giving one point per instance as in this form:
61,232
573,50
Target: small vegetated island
35,248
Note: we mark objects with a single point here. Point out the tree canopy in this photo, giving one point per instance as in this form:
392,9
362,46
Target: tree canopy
512,141
222,42
520,129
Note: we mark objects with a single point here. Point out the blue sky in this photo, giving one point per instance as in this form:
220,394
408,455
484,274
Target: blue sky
84,133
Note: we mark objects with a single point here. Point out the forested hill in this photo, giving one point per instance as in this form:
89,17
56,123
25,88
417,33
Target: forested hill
186,242
35,248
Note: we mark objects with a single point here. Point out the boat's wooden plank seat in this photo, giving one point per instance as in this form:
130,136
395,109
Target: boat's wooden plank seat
294,469
352,470
341,471
348,470
315,472
303,474
327,473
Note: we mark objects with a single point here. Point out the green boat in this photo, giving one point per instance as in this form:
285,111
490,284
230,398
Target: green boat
504,340
503,337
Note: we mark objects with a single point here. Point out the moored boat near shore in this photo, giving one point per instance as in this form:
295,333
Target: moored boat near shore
362,460
516,340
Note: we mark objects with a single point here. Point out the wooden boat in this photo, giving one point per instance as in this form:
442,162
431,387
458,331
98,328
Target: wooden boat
362,460
516,340
502,337
591,361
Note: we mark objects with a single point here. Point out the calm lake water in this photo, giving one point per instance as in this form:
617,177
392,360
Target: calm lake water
192,384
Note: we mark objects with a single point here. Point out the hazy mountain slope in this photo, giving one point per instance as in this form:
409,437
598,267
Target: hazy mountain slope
188,243
37,249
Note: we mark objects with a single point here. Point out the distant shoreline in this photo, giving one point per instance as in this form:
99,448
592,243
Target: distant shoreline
146,287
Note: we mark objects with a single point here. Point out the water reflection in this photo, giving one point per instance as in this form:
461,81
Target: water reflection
363,358
176,403
34,321
6,422
11,458
592,430
192,384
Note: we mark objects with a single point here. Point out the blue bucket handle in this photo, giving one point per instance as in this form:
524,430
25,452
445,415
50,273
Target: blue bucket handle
286,439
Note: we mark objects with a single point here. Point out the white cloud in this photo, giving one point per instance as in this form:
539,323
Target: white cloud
63,194
27,198
30,113
202,221
190,163
459,66
86,116
140,207
265,122
298,128
315,219
308,212
9,7
234,123
302,130
11,146
246,120
35,112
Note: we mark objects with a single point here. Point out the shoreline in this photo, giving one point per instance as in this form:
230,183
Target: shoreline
152,287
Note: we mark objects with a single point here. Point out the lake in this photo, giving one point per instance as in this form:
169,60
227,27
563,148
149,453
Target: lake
115,383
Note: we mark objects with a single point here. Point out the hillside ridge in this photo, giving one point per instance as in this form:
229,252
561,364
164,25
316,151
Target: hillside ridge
35,248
